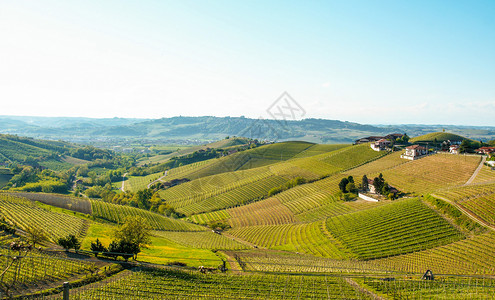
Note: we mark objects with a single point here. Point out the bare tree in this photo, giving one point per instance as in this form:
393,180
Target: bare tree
9,276
36,235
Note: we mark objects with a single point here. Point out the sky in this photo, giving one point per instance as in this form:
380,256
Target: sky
376,62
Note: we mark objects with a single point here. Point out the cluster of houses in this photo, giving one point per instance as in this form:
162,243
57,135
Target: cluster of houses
413,152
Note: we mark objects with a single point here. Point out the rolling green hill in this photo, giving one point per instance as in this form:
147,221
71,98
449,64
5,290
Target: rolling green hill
438,137
259,222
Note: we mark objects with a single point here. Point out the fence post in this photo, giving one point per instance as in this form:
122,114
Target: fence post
66,291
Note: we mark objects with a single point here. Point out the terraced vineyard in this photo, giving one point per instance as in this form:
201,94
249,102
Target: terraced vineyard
470,256
44,267
478,199
266,212
136,183
320,149
23,213
81,205
351,157
398,228
209,186
373,168
174,284
202,239
208,217
310,238
441,288
117,213
486,174
432,173
236,196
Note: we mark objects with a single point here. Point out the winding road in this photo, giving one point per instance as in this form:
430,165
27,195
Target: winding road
159,179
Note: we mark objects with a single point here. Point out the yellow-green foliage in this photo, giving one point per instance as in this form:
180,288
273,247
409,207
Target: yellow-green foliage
400,227
23,213
117,213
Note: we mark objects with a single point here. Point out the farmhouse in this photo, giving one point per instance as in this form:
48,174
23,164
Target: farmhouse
485,150
368,139
390,137
414,152
454,149
371,187
380,145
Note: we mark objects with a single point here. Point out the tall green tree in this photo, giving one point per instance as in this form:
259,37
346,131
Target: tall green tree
135,231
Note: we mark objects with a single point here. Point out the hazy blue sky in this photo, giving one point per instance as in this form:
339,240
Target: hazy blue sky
365,61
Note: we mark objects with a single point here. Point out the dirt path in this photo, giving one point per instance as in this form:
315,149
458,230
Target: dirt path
159,179
239,240
467,212
482,162
362,289
123,182
233,264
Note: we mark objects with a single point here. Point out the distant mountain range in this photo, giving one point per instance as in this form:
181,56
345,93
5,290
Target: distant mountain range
198,130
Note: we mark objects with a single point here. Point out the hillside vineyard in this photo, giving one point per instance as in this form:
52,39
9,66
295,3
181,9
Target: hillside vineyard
246,219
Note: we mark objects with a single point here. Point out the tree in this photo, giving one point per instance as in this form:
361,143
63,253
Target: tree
69,242
378,183
364,183
135,231
351,179
342,185
350,187
36,235
113,250
465,146
385,188
97,247
14,263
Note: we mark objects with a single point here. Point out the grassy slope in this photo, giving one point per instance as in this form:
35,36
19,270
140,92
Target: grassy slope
160,251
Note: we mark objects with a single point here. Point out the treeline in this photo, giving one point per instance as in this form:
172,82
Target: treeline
36,179
90,153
